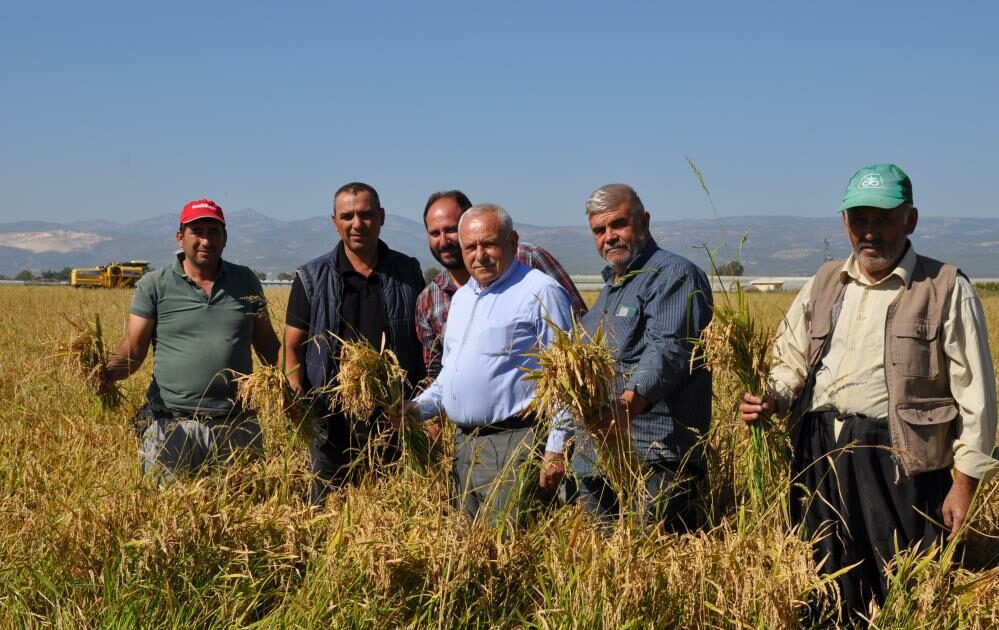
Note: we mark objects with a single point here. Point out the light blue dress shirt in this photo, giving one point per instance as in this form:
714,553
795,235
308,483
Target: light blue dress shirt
488,335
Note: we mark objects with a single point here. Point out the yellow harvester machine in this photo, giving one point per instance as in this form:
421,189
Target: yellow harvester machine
117,274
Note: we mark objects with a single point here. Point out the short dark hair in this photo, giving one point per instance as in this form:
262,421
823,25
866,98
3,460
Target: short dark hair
459,197
356,187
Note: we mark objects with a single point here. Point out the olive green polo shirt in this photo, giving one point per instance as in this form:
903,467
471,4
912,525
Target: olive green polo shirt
198,337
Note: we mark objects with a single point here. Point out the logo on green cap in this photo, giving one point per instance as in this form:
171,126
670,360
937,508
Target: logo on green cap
872,180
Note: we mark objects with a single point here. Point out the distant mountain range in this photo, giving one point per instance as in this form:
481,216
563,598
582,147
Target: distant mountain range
776,246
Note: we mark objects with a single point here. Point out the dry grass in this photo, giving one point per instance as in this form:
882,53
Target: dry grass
86,542
739,344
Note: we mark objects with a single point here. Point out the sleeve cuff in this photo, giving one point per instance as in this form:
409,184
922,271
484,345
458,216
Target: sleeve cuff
428,408
783,396
557,438
644,387
975,464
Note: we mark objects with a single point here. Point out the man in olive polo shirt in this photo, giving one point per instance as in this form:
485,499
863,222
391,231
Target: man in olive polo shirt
202,315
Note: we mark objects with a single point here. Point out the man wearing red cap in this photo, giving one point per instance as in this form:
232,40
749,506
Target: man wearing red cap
202,314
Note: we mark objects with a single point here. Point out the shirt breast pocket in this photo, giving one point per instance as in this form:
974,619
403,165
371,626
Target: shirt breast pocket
624,328
507,340
916,348
497,341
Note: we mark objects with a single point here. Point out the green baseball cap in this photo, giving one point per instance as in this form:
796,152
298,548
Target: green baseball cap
877,186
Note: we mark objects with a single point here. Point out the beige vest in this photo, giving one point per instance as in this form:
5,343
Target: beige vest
921,409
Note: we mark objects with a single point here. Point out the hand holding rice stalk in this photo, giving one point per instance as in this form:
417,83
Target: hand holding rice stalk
576,375
268,391
86,356
369,380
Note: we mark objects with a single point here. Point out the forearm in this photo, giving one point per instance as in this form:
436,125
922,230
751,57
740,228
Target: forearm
294,357
430,402
266,345
125,361
790,354
972,382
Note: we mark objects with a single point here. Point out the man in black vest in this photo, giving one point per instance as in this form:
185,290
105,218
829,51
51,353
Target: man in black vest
359,290
884,363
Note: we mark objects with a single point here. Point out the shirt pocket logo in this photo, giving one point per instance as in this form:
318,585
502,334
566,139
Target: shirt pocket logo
626,311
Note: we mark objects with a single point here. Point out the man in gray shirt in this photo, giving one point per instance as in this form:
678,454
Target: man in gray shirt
654,303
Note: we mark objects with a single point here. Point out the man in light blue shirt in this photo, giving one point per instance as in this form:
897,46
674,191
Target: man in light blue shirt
496,319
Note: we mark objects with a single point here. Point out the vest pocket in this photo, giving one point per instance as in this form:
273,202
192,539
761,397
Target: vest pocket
929,431
914,351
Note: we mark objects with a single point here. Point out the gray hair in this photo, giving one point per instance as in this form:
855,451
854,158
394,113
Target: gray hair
479,210
611,196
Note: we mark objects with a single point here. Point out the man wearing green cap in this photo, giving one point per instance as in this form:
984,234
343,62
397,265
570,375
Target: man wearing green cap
884,365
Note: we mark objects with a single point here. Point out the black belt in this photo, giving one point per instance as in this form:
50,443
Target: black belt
830,417
520,421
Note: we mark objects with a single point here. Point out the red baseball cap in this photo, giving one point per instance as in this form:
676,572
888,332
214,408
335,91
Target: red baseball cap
202,209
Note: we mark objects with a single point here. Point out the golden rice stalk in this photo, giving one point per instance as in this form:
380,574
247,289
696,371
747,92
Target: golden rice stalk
268,391
369,380
736,342
265,390
576,376
85,355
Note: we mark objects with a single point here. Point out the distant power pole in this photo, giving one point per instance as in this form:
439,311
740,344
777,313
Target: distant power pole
826,256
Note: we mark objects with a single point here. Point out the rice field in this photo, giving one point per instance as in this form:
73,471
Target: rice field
87,542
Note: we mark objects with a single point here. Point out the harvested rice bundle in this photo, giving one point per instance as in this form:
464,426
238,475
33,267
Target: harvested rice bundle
268,391
86,356
576,375
265,390
737,342
369,380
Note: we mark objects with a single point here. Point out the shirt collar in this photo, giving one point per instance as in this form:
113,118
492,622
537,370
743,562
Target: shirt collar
903,270
444,282
637,263
343,264
498,282
178,267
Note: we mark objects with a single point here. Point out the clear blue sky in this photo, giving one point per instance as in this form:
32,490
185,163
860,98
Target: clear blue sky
127,110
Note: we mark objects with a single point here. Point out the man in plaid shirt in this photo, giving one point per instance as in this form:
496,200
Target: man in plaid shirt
440,216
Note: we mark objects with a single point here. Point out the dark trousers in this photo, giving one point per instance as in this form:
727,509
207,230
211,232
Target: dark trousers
341,452
667,499
851,495
495,473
